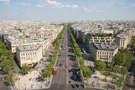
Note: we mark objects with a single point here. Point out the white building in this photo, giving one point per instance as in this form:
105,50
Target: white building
28,55
27,42
104,52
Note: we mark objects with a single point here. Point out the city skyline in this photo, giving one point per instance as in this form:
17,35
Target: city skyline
67,10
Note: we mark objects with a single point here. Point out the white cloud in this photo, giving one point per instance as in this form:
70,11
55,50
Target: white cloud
72,6
86,9
4,0
38,5
58,4
54,3
24,4
99,11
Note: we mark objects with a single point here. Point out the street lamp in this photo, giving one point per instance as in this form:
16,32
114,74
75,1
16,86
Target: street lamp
18,82
25,86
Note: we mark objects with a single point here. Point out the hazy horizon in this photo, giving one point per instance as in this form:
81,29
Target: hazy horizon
67,10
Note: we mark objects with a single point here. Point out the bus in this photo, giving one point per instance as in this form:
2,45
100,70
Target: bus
54,70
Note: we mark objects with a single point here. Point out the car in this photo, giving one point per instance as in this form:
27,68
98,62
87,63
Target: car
133,73
61,65
77,85
0,68
2,78
77,72
84,85
73,86
75,77
40,80
64,48
78,76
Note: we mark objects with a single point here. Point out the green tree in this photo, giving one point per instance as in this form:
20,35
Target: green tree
133,45
120,82
53,61
6,65
86,71
77,49
119,58
46,74
81,61
124,71
99,65
106,73
50,67
124,51
116,69
129,59
25,69
110,66
113,77
10,78
79,54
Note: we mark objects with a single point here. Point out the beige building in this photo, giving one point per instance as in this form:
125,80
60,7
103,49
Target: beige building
102,40
104,52
91,39
124,39
28,55
27,42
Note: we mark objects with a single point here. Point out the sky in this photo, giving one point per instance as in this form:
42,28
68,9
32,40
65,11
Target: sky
67,10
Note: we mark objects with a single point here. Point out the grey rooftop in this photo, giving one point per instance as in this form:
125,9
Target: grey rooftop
124,36
105,47
24,49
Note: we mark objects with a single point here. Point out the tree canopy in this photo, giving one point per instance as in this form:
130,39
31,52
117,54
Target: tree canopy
10,78
99,65
119,58
120,82
25,69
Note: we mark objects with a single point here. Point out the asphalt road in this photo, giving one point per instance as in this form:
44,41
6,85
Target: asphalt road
3,84
67,58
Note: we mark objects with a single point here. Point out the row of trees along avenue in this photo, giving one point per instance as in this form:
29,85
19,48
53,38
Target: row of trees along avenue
86,71
48,73
7,63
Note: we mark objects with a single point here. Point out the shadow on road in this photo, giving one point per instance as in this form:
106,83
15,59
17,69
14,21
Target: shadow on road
130,86
72,57
6,84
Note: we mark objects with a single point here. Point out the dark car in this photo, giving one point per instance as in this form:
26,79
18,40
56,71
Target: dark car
61,65
74,77
0,68
84,85
77,85
69,70
73,86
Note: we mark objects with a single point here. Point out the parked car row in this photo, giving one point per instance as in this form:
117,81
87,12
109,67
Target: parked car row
78,86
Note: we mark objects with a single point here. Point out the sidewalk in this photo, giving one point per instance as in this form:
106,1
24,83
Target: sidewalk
33,80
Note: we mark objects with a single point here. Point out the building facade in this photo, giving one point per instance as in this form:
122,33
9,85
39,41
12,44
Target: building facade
28,55
124,39
104,52
27,42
